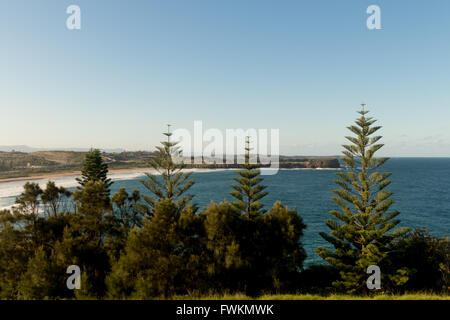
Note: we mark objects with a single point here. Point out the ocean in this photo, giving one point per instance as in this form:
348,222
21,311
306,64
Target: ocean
421,189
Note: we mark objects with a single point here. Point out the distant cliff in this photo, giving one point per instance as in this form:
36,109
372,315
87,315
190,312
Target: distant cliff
313,163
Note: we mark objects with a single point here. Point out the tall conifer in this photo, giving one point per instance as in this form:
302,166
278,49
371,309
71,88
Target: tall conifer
93,224
95,169
171,182
248,191
364,225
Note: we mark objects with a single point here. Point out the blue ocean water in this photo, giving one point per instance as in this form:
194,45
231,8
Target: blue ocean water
421,189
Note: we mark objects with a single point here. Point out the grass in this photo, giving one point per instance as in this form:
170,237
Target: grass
412,296
380,296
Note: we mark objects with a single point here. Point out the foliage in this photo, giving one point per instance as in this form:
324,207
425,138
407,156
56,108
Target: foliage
426,256
283,252
170,182
35,282
125,208
154,258
95,169
364,227
248,190
14,252
224,256
91,228
28,200
54,198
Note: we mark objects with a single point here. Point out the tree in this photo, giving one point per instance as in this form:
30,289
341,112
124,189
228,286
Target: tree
364,227
15,250
93,211
54,197
29,200
156,255
265,246
224,258
263,254
248,191
28,210
163,249
152,258
426,256
91,229
35,282
95,169
126,217
125,205
282,251
121,281
171,183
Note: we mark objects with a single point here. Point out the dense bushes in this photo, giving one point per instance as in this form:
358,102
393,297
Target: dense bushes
217,250
427,259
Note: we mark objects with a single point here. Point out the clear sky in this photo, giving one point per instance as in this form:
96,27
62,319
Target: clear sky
300,66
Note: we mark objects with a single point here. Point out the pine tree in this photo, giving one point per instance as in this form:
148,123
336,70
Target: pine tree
92,228
157,255
364,226
248,191
172,182
94,211
94,169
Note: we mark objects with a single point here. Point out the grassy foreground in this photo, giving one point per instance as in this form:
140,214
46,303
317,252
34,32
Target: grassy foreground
409,296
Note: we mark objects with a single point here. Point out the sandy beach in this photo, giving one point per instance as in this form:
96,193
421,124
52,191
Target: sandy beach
70,174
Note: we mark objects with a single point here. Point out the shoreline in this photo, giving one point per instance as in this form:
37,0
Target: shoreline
68,174
128,170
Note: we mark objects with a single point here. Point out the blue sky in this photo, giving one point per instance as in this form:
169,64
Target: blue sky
300,66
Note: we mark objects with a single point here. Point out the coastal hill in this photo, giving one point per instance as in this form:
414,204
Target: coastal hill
16,164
